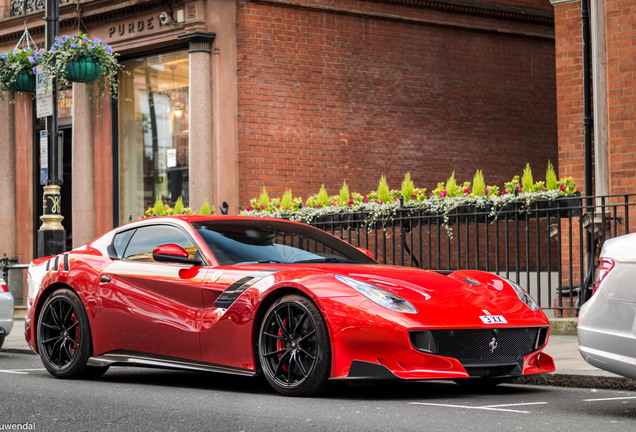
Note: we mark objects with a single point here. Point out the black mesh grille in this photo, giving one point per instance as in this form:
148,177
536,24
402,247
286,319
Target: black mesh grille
481,347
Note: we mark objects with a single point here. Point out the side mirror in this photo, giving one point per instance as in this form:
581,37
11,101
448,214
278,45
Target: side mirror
172,253
366,252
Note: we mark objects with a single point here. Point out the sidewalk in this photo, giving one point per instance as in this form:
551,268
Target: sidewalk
571,369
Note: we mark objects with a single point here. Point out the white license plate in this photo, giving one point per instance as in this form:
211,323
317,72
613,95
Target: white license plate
493,319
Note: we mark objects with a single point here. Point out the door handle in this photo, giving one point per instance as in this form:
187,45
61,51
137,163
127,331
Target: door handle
104,279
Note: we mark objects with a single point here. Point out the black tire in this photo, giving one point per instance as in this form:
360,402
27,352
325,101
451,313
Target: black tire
1,340
294,348
64,337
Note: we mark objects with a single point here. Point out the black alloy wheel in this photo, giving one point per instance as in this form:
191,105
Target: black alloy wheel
294,348
64,337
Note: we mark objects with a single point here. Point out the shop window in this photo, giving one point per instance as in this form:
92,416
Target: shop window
153,133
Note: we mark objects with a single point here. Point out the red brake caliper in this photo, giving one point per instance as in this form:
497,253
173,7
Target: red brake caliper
77,332
281,344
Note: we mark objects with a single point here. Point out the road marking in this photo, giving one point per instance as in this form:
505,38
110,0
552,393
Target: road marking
20,371
486,408
609,399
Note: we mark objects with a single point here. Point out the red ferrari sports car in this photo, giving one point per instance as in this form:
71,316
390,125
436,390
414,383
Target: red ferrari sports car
251,296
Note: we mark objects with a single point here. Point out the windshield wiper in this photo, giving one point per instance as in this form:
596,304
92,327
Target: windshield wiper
324,259
267,261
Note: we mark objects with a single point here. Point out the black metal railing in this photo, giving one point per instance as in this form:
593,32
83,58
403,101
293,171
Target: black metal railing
548,246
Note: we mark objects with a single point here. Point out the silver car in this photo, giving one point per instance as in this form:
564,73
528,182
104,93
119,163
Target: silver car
6,311
607,322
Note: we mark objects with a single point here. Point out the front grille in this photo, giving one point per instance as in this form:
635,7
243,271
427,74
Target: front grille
480,347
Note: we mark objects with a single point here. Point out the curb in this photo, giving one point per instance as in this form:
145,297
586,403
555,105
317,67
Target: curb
17,351
563,326
579,381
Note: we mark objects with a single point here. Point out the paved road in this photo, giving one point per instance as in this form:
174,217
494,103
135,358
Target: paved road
129,399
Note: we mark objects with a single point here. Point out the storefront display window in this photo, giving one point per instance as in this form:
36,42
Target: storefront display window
153,133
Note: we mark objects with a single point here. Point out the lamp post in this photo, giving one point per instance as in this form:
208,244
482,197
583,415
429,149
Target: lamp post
51,235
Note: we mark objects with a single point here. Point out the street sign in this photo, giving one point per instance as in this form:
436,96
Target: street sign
43,94
44,157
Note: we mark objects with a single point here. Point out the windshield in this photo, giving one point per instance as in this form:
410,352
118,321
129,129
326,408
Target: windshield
249,241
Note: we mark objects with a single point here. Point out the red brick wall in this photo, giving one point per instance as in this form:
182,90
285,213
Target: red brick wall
621,94
367,88
569,79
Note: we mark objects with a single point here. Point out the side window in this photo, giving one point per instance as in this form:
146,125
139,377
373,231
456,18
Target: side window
146,239
121,241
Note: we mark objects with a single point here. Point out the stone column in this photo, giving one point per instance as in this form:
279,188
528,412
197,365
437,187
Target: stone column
200,115
83,168
599,85
8,180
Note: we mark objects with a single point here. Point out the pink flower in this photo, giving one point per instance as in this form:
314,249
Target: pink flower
334,203
380,202
486,191
414,196
350,203
563,188
443,193
250,208
505,191
366,200
467,191
261,207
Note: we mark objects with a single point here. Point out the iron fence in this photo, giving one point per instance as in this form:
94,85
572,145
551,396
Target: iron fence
550,247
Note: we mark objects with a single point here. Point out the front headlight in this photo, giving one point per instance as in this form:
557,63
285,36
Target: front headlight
524,296
378,295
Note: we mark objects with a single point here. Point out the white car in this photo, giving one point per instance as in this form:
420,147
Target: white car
607,322
6,311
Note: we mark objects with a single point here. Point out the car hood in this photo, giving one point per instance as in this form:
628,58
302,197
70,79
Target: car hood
441,297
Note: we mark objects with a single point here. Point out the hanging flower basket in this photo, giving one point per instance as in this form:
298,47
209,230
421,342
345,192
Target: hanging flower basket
17,70
24,82
83,70
77,58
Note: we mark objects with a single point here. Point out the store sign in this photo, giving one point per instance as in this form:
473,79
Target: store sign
144,25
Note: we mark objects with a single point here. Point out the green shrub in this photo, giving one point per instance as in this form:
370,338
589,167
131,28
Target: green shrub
479,185
323,197
206,209
550,177
408,188
451,186
344,196
384,193
287,201
527,183
263,199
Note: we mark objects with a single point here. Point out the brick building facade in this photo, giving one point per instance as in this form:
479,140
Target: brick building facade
283,94
348,90
613,43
